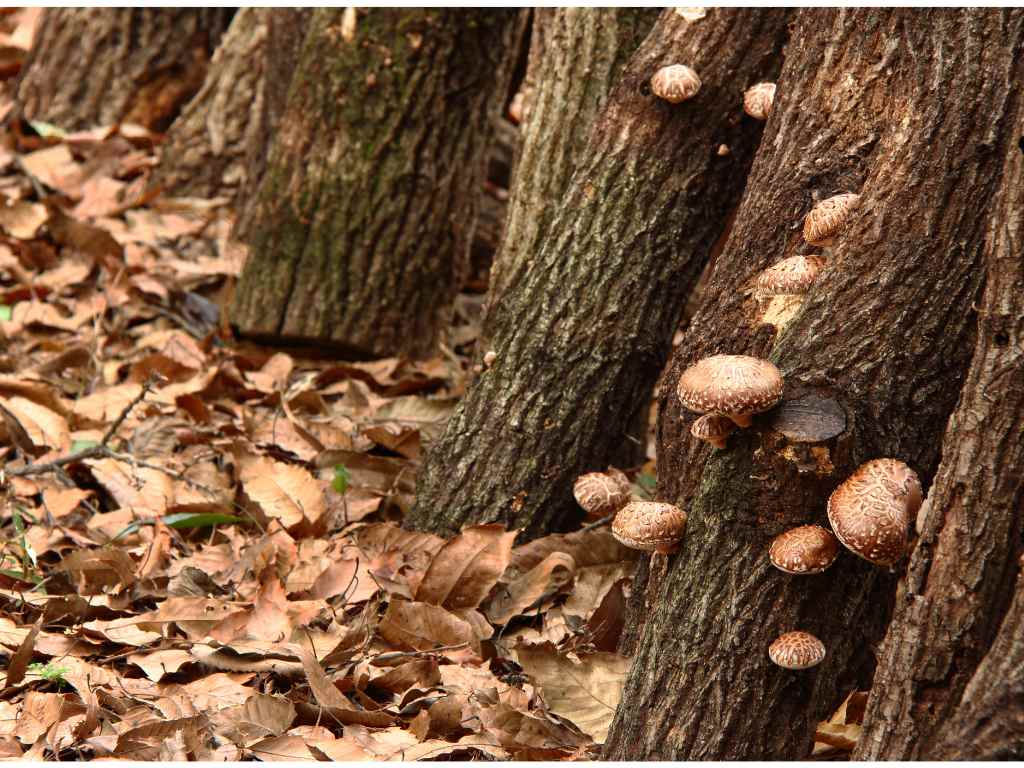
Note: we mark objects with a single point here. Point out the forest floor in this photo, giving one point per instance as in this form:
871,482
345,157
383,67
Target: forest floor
202,547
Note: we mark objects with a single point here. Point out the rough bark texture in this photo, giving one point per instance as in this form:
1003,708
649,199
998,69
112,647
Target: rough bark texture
576,55
582,337
286,31
961,574
912,109
366,208
989,723
207,148
95,66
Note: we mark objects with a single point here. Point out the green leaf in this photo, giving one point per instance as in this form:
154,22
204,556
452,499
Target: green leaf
47,130
341,478
5,313
21,575
83,445
181,520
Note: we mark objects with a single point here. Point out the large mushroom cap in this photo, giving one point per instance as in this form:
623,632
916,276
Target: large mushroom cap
650,526
736,386
790,277
797,650
714,429
602,493
758,100
871,509
675,83
828,218
804,550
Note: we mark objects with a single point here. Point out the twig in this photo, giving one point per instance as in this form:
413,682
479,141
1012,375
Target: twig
147,386
598,523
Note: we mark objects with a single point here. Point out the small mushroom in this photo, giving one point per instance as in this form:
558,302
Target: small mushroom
675,83
515,107
758,100
489,357
714,429
790,277
828,218
602,493
797,650
804,550
736,386
871,509
723,150
651,526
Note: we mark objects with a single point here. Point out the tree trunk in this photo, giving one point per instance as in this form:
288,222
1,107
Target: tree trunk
366,208
206,146
581,338
960,580
96,66
989,723
209,147
286,31
576,55
885,333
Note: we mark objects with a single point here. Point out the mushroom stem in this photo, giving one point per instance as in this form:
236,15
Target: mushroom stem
741,420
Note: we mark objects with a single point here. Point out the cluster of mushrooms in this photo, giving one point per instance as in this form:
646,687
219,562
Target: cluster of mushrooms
869,512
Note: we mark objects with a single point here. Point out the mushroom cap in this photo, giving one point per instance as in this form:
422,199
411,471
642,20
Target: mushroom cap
797,650
730,385
871,509
675,83
828,218
649,525
790,277
804,550
712,428
602,493
758,100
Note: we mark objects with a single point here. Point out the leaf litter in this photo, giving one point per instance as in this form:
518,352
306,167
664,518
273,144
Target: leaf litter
203,556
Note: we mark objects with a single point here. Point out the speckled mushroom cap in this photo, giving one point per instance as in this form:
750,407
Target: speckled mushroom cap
828,218
714,429
790,277
602,493
797,650
675,83
804,550
650,526
736,386
871,509
758,100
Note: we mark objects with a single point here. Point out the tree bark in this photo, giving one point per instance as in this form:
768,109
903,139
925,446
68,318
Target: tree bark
885,334
576,55
581,338
960,579
366,208
286,31
206,147
96,66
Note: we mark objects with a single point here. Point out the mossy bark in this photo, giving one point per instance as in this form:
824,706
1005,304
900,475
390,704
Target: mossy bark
941,670
206,147
580,339
96,66
864,99
366,209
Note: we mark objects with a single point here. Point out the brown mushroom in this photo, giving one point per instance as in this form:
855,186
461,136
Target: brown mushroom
796,650
652,526
602,493
675,83
758,100
828,218
790,277
736,386
804,550
713,429
871,509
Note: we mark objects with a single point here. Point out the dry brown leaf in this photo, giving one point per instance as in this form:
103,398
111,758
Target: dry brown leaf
585,693
528,591
145,491
467,567
591,585
21,219
106,404
284,492
424,627
45,428
283,748
350,578
55,167
588,548
61,502
159,664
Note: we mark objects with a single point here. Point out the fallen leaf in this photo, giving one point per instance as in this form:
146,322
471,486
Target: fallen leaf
463,572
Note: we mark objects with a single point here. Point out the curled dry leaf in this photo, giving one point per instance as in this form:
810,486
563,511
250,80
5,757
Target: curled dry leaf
424,627
284,492
543,581
467,567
